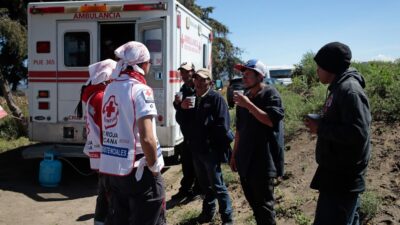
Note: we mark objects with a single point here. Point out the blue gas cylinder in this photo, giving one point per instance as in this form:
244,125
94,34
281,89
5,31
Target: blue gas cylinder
50,171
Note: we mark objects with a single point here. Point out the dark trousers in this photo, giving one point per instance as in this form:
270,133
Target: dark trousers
137,202
189,182
259,192
102,198
337,209
209,174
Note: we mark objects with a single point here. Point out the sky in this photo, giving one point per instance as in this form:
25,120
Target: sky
280,32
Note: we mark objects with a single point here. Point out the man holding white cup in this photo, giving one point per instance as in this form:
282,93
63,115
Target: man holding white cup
258,150
210,144
184,105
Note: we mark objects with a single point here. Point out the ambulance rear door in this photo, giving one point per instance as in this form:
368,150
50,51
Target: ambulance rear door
77,48
153,34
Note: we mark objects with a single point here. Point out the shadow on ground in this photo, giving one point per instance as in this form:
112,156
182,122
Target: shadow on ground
21,175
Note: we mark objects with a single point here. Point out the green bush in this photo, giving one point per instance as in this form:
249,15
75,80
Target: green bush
307,95
9,129
369,206
300,100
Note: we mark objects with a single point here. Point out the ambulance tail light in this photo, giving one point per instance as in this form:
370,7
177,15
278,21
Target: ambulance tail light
160,118
43,47
93,8
44,105
43,94
145,7
178,21
211,36
56,9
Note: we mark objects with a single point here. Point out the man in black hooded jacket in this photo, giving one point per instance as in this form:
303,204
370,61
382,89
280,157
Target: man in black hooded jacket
343,144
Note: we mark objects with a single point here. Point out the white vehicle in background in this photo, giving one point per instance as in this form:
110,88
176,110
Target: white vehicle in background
281,74
65,37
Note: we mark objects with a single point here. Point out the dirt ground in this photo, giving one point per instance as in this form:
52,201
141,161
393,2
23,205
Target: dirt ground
24,201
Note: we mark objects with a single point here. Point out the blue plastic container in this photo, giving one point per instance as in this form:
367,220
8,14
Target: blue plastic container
50,171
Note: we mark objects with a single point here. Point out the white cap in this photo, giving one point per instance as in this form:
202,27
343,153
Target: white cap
131,54
101,71
253,64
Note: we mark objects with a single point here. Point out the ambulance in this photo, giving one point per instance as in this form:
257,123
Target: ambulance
65,37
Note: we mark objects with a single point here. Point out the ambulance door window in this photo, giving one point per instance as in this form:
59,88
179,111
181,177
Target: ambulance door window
152,38
113,35
76,49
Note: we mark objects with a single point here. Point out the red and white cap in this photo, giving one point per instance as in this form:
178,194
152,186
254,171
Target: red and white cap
131,54
101,71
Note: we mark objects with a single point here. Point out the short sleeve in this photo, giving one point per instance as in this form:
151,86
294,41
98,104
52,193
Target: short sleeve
144,102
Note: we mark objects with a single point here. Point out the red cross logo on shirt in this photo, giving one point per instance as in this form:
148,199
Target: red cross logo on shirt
110,109
110,112
148,92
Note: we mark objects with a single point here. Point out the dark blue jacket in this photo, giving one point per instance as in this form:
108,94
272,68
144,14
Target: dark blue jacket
185,116
343,145
210,130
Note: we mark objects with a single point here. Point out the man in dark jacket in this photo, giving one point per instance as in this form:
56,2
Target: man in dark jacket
258,151
209,142
184,116
343,145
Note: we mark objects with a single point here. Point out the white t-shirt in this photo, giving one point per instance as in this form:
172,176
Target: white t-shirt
125,101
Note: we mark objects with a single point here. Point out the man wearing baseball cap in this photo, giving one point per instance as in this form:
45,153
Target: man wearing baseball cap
210,144
343,144
184,114
258,150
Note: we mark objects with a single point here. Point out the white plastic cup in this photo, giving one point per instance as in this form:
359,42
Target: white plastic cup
192,100
236,92
313,116
179,94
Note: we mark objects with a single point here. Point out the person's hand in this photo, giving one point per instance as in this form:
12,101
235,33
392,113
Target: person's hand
177,99
232,164
312,125
241,100
186,104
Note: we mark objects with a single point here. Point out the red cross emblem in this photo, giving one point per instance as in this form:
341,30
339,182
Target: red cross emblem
110,112
148,92
110,109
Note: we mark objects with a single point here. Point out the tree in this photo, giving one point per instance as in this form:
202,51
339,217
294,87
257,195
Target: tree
224,54
13,52
307,68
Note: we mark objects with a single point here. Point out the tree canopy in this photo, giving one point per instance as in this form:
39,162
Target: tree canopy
224,54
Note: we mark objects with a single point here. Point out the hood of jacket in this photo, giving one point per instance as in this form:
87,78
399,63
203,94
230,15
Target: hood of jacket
349,73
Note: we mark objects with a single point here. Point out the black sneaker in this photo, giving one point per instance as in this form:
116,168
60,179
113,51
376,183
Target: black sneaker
193,196
205,217
180,195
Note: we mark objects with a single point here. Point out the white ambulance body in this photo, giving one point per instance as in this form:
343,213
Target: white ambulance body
65,37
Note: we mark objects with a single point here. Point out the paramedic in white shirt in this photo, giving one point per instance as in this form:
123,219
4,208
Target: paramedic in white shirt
131,153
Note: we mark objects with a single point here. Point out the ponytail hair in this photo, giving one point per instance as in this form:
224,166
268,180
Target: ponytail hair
78,109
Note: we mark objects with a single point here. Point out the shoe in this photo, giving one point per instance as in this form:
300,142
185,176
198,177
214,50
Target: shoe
205,217
227,223
193,196
180,195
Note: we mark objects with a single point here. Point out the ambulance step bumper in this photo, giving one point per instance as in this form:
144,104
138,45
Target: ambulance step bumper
63,150
70,151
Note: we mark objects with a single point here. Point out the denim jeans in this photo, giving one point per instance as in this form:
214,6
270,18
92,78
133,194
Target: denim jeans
208,171
189,182
337,209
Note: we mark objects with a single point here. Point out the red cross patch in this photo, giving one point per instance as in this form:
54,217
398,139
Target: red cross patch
110,112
